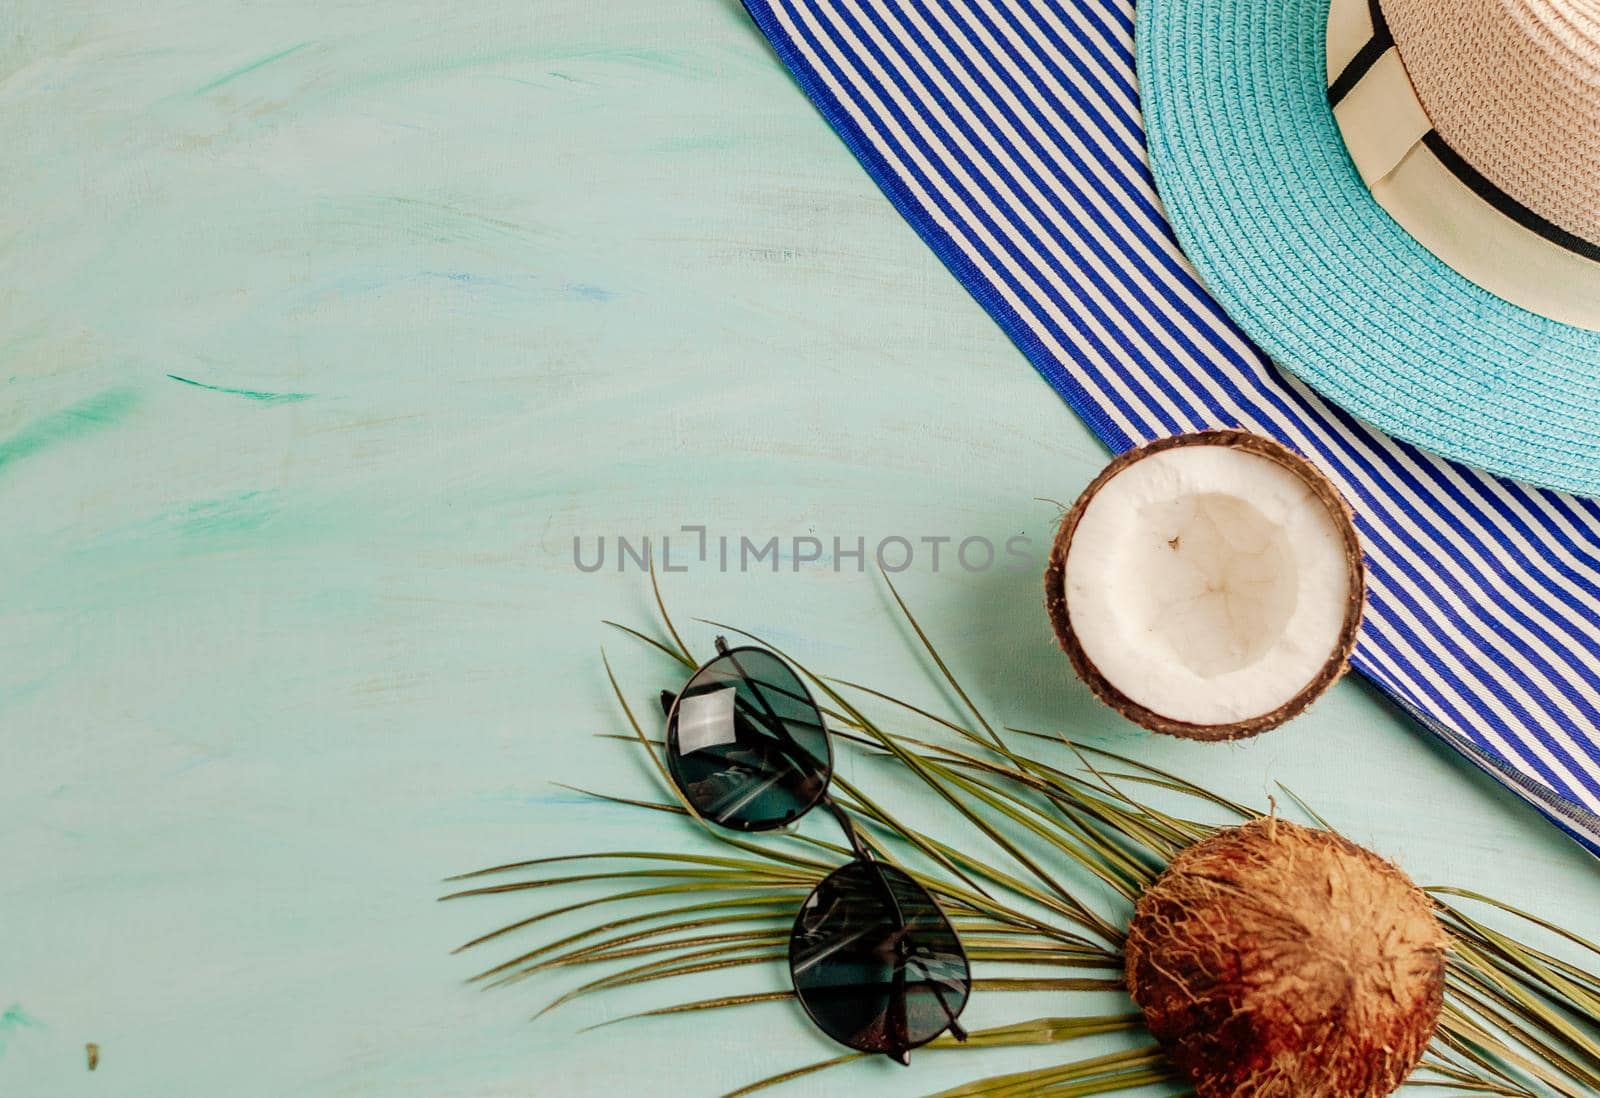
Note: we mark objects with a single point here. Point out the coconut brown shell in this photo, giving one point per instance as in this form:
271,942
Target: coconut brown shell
1275,961
1338,662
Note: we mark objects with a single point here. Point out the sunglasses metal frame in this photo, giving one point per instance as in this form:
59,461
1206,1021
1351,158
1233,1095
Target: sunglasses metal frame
669,705
899,1051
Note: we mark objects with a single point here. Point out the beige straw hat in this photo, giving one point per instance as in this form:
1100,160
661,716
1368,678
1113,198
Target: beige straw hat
1476,124
1404,212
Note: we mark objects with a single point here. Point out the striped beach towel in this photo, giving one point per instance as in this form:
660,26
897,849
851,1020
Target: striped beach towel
1008,133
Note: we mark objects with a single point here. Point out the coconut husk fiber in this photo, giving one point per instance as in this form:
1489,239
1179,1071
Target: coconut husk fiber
1276,961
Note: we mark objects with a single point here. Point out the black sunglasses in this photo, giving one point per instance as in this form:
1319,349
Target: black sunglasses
873,959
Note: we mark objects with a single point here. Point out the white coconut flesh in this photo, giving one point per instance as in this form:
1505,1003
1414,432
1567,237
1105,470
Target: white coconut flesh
1207,583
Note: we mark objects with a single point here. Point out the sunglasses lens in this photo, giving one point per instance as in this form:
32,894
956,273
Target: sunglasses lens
746,743
873,978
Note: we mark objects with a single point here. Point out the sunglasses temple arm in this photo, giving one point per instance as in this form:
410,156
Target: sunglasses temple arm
777,725
900,1054
954,1026
865,856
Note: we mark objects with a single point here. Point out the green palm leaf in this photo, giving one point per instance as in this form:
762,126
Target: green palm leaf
1518,1020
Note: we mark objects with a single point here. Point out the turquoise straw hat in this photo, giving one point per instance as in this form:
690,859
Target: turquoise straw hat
1401,205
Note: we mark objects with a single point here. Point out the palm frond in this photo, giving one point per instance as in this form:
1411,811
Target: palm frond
1041,848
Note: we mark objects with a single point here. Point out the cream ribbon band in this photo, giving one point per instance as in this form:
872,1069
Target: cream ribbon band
1388,135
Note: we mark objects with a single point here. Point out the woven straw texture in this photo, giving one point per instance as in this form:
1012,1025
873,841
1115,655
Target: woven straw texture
1514,87
1266,203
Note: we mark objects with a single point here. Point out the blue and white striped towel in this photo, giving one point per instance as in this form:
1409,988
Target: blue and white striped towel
1008,133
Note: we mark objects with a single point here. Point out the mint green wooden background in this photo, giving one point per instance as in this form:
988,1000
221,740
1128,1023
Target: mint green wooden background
286,642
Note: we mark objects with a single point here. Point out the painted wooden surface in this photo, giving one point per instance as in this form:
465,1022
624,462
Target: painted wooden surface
325,329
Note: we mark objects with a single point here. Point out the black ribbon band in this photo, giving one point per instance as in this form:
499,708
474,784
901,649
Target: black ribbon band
1379,44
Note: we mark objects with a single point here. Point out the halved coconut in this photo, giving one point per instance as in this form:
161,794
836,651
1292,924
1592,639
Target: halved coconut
1208,585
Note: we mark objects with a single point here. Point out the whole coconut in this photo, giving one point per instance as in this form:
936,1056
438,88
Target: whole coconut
1275,960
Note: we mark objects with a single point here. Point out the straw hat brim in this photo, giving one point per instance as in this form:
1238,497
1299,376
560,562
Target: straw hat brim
1268,206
